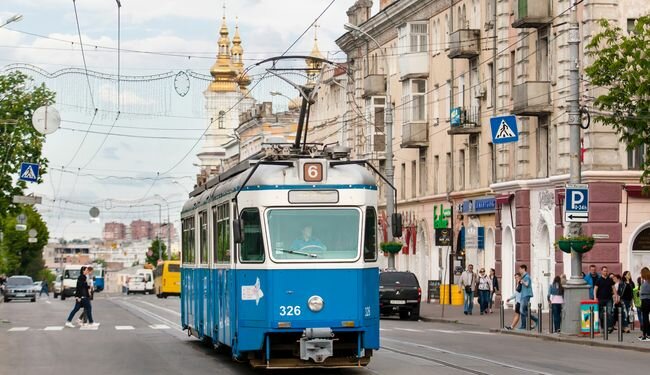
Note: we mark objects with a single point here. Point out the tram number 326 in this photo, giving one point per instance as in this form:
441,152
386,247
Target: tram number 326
289,310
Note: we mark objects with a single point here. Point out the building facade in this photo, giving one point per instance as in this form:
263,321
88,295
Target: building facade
453,65
114,231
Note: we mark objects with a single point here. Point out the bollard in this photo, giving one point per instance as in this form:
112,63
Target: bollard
551,327
529,318
539,318
591,322
620,324
502,317
630,318
605,326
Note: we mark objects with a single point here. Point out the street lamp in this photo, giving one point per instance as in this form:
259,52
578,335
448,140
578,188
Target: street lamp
388,124
169,237
277,93
14,18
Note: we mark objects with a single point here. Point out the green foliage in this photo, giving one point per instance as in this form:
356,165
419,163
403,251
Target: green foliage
153,259
622,66
19,141
100,262
17,255
48,276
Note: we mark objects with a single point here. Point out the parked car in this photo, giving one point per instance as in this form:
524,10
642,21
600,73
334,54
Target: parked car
399,293
56,287
20,287
37,286
136,284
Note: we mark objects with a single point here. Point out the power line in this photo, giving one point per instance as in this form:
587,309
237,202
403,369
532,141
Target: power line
83,55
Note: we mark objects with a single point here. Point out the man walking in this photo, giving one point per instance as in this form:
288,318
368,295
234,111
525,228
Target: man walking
467,285
82,299
526,295
591,279
604,291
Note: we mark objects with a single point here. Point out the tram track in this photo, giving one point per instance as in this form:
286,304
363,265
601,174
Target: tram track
456,354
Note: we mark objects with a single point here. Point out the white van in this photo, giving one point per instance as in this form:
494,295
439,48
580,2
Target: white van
69,284
148,279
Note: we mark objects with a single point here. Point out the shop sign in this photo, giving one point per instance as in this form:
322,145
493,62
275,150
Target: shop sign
478,206
443,237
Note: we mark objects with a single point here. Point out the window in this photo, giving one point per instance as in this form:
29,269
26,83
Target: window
424,176
461,169
221,234
413,37
436,171
490,86
542,146
402,187
309,235
203,237
188,239
414,93
630,25
461,91
435,37
542,54
436,105
375,107
252,248
512,75
447,32
449,171
222,115
413,179
447,108
370,236
636,157
474,174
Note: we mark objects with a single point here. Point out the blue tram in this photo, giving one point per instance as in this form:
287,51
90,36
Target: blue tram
279,261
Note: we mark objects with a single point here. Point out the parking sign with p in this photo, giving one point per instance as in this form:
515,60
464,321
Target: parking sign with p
576,203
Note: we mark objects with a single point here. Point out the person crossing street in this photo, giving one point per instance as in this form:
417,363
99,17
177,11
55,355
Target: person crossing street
82,299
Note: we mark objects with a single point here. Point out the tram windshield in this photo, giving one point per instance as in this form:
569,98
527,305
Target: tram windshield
314,234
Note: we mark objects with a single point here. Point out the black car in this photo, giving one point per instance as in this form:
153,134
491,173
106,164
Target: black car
20,287
399,293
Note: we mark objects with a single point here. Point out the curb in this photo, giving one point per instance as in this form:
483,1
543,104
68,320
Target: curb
570,340
447,321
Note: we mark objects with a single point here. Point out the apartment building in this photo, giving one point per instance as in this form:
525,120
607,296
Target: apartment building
451,66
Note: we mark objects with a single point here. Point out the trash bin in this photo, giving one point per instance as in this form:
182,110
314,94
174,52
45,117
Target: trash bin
584,316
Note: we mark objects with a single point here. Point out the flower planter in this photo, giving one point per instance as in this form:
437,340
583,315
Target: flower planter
582,245
391,247
564,245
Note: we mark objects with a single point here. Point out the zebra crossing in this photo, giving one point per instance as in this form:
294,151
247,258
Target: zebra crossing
155,327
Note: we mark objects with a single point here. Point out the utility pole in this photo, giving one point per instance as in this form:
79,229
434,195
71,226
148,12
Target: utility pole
159,228
576,289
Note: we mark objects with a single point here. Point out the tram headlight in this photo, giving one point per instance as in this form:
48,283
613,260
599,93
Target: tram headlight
315,303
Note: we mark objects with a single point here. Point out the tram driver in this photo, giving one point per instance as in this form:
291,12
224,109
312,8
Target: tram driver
306,242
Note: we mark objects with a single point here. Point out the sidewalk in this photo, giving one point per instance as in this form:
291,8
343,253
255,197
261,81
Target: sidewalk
433,312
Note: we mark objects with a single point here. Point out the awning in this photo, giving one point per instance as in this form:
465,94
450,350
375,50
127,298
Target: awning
504,198
636,191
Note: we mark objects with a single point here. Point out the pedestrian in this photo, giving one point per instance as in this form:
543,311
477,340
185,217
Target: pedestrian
556,299
44,289
591,279
620,288
526,295
495,288
81,299
637,301
83,318
484,287
517,297
604,292
467,285
626,294
644,295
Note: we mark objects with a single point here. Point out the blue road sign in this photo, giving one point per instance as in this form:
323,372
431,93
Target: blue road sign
29,172
455,116
504,129
576,203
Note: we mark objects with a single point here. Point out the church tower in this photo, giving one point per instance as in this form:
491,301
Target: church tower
225,99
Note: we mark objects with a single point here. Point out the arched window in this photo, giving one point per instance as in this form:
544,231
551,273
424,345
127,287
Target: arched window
447,31
640,252
222,114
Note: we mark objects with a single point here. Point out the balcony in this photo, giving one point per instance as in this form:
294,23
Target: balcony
413,65
532,13
532,98
470,122
374,85
415,134
464,44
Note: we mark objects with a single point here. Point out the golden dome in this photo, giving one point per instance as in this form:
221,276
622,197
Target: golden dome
222,71
314,66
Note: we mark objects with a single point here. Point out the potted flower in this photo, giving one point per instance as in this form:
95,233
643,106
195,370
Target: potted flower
392,247
580,244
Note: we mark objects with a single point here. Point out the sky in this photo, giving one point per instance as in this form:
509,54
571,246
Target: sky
140,163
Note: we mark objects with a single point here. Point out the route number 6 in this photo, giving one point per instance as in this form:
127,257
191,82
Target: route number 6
313,172
289,310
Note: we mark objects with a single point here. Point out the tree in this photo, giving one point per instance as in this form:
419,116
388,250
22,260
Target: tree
622,67
17,254
19,141
153,259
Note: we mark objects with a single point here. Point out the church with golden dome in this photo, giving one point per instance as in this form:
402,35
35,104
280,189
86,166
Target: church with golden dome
226,97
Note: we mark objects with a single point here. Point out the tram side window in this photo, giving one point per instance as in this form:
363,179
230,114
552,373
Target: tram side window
370,236
252,249
203,237
221,230
188,240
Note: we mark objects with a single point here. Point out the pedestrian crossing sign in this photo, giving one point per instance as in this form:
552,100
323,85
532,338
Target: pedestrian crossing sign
504,129
29,172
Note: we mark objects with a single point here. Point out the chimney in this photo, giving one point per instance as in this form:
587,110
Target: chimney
359,12
384,3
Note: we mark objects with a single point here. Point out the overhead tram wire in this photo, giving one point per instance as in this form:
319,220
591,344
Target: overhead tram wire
255,85
83,55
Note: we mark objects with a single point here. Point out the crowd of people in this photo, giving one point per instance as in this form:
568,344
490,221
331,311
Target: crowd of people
613,293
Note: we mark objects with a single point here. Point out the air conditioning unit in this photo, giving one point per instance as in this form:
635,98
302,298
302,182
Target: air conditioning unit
480,92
